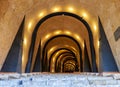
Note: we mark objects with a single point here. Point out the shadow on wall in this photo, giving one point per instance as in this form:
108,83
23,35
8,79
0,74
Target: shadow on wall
107,61
13,60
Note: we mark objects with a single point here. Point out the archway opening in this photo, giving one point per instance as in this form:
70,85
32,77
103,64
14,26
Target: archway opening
57,24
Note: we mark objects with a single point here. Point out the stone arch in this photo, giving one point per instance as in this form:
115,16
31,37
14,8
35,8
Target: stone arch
93,56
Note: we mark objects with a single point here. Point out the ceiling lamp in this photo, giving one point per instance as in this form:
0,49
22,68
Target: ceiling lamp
41,14
71,9
25,41
29,25
56,9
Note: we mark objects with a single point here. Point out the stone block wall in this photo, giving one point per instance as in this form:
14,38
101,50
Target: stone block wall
60,80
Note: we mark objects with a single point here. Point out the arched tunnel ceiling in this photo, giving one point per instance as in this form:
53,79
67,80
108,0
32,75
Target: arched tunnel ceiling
66,27
15,10
69,66
58,57
62,25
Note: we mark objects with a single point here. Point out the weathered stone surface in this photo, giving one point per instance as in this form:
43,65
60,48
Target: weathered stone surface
4,4
99,78
116,76
59,80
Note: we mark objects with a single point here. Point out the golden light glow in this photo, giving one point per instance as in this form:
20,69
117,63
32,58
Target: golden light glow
41,14
83,45
57,53
57,32
51,49
84,15
68,32
22,58
29,25
56,9
71,9
95,27
52,70
47,36
77,36
25,41
98,43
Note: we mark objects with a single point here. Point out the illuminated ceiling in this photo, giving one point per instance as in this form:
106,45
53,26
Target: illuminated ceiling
65,25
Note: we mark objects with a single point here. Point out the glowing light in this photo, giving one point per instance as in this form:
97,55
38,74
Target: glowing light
51,49
83,45
29,25
57,53
57,32
95,27
25,41
67,32
98,43
47,36
85,15
56,9
23,58
71,9
41,14
77,37
52,70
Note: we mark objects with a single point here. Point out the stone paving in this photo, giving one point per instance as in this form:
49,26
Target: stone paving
60,80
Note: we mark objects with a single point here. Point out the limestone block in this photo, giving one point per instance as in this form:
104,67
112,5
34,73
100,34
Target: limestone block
111,82
14,76
93,74
108,74
62,83
103,82
118,82
80,82
116,76
107,86
51,82
3,77
99,78
40,83
23,75
61,80
97,82
38,78
10,83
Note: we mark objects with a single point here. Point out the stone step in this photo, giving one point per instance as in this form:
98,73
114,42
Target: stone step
59,80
